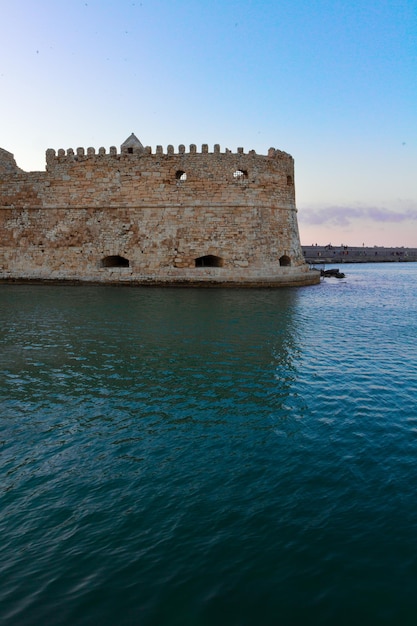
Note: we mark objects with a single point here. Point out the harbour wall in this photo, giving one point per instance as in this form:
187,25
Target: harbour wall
359,254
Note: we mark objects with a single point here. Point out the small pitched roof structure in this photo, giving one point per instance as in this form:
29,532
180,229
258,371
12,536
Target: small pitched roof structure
131,144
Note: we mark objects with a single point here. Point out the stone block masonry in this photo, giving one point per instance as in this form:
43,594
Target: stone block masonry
163,218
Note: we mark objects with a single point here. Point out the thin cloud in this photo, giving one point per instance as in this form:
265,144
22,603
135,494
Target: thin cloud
343,216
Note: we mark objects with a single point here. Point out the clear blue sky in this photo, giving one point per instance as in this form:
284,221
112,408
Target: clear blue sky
334,83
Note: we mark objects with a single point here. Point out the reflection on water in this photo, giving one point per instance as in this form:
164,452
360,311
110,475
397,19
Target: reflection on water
130,342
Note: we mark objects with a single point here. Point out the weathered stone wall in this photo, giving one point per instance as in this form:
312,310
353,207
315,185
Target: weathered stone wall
135,216
7,163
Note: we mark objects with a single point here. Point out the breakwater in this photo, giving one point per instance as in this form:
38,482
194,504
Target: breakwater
357,254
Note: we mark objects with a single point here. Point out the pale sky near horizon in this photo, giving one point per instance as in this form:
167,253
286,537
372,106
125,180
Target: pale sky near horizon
333,83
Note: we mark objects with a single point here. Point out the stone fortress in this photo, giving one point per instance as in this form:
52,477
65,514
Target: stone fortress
162,218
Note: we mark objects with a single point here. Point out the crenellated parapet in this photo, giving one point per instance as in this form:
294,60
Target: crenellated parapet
134,151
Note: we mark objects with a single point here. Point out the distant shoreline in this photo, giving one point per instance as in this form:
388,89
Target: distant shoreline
357,254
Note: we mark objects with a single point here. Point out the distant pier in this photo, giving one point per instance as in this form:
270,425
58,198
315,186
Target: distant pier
357,254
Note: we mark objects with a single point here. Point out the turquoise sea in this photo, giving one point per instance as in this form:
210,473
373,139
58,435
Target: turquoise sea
210,456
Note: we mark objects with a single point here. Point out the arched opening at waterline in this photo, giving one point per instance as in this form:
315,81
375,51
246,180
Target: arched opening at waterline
115,261
209,261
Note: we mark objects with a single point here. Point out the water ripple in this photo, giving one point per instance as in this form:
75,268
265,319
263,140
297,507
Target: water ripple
210,456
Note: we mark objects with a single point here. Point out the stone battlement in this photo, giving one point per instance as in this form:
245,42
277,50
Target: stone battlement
140,150
60,156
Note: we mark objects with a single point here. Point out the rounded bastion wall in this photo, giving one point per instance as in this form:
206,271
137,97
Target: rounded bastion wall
183,217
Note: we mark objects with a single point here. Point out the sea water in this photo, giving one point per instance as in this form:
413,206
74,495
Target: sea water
210,456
